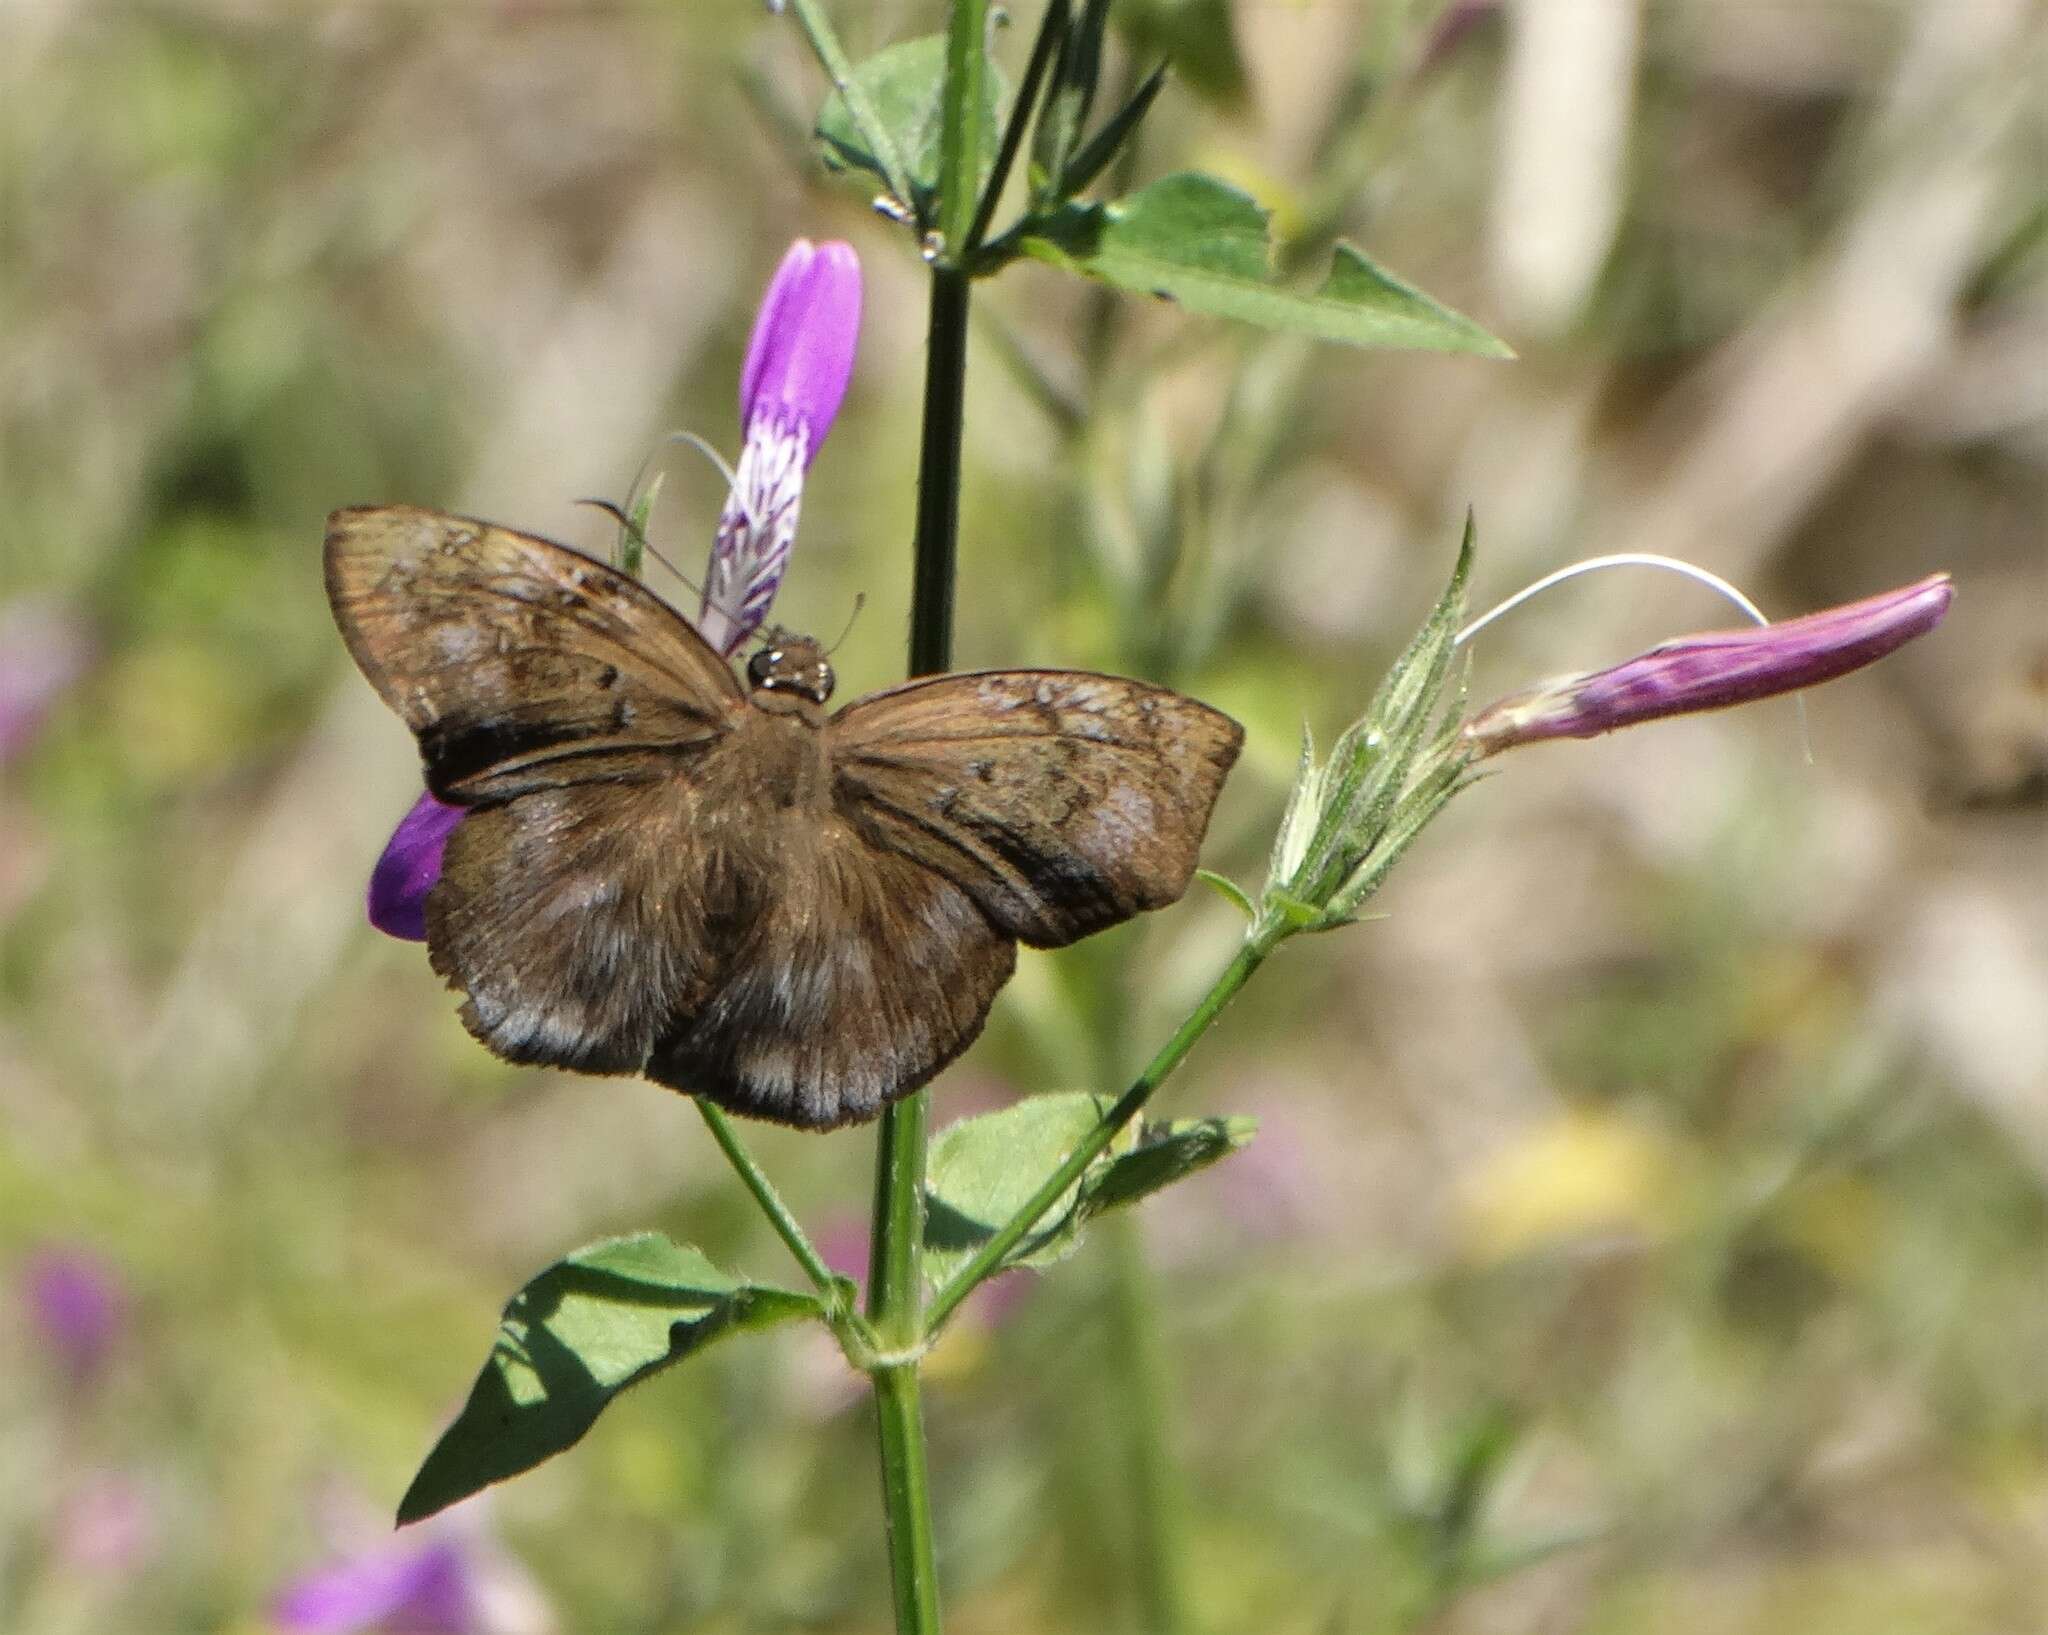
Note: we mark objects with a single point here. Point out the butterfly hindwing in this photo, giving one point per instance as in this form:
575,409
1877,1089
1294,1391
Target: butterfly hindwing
579,922
519,663
853,976
1061,801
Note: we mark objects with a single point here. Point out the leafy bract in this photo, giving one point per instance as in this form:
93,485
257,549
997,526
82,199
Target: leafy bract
575,1337
904,86
1198,241
982,1170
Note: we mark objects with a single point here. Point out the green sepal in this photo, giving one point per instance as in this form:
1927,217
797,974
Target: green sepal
905,88
1196,240
1096,153
1229,890
581,1332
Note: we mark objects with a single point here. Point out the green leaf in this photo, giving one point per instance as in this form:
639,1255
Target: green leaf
1165,1153
982,1170
575,1337
1196,240
1198,37
904,86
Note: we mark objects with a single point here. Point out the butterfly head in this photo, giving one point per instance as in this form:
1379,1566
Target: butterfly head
791,664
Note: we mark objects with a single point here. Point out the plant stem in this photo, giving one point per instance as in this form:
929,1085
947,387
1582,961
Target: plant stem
906,1501
894,1287
786,1225
960,112
1052,30
990,1255
1144,1377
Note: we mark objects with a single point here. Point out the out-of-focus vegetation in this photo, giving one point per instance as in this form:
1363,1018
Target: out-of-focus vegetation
1646,1230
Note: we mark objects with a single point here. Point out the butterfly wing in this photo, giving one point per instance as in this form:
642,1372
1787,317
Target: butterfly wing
518,663
851,976
1061,801
574,713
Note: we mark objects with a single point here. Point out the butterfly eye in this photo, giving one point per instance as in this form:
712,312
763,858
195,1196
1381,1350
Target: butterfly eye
822,681
761,666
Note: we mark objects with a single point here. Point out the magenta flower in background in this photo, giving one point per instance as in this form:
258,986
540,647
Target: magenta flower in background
1714,670
799,360
421,1591
76,1306
43,652
455,1580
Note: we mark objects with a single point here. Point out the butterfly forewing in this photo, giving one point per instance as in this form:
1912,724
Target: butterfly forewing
1061,801
519,663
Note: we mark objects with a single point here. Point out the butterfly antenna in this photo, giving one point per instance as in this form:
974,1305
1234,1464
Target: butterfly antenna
859,601
735,493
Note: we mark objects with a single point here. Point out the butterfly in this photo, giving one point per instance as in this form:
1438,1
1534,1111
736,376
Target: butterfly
797,915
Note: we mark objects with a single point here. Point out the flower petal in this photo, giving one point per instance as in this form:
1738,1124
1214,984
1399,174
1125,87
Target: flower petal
1714,670
409,867
798,364
800,355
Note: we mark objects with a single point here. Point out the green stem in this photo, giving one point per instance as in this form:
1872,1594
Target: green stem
832,56
1052,30
786,1225
986,1259
906,1500
895,1289
960,113
1144,1377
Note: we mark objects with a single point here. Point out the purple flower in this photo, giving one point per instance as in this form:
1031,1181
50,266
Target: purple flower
43,652
76,1304
423,1591
454,1580
410,865
799,360
1714,670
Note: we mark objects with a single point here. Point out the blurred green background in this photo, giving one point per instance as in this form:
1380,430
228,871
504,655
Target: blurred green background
1647,1227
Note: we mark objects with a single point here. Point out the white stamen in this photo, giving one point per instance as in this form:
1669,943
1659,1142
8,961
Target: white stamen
1639,559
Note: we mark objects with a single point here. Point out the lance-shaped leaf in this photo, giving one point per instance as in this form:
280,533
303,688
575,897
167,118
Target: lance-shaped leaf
982,1170
575,1337
905,88
1164,1154
1193,239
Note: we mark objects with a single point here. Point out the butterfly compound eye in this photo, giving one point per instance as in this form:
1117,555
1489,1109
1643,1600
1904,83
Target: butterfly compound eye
761,667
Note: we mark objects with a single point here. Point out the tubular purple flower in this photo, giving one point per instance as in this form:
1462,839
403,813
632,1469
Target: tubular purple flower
1714,670
409,866
799,360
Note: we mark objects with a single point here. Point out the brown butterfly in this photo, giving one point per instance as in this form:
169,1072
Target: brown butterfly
800,916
